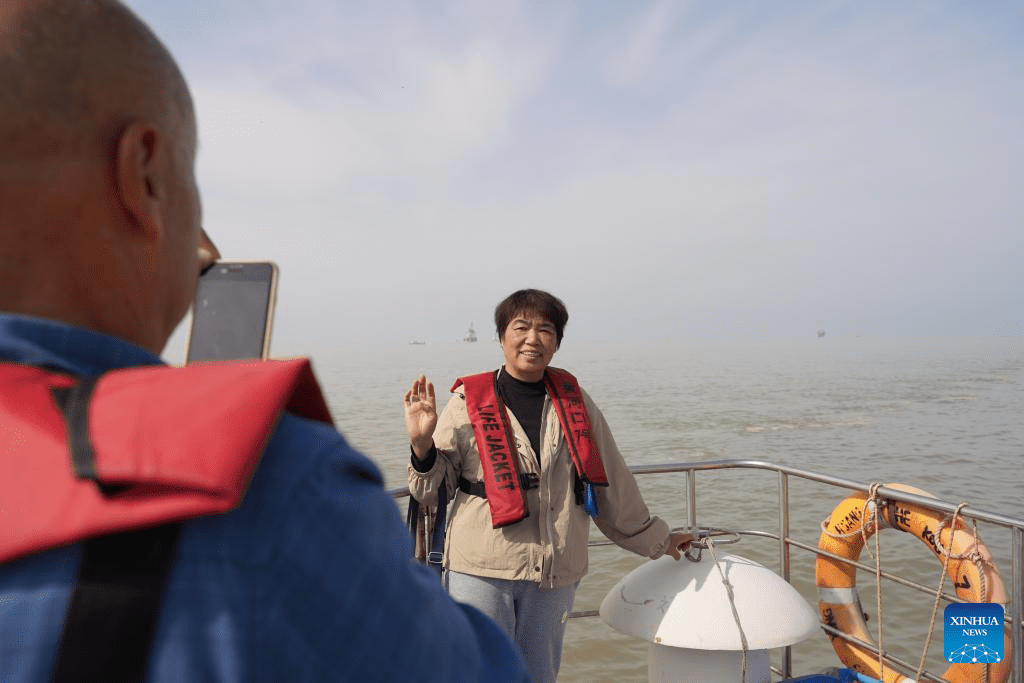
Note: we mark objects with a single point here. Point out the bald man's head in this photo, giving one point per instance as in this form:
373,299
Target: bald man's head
73,73
101,218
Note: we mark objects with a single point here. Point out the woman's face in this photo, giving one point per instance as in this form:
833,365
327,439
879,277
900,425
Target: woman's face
529,343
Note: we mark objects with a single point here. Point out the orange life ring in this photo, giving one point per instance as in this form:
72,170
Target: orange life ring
975,577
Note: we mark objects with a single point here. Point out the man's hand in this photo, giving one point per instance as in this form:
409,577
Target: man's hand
421,416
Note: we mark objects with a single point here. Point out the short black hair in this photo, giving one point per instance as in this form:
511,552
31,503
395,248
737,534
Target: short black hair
535,301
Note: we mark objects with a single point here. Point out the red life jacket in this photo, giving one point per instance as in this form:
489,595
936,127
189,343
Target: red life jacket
497,445
174,443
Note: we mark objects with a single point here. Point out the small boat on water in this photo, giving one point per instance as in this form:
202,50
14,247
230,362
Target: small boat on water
964,559
470,334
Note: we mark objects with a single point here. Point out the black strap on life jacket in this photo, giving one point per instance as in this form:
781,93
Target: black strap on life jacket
527,480
112,615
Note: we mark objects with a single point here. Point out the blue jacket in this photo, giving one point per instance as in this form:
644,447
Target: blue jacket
309,579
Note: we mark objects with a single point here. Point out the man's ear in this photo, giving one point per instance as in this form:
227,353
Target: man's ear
138,179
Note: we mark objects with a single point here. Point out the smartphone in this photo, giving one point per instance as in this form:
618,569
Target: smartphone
233,312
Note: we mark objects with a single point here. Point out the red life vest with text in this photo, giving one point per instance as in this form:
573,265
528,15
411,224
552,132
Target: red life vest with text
496,443
135,447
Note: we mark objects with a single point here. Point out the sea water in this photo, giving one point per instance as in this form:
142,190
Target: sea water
944,415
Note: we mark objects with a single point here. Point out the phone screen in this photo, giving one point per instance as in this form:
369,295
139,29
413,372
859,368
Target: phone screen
232,314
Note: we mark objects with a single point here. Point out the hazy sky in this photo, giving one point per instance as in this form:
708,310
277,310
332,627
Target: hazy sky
667,168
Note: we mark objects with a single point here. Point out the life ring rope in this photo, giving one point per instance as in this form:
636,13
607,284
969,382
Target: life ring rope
964,558
873,503
947,551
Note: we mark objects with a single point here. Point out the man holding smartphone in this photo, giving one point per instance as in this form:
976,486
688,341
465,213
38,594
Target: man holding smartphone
309,577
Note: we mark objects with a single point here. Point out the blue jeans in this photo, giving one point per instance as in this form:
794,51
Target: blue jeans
533,617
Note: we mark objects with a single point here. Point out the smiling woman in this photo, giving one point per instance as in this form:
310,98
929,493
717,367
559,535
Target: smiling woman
529,460
529,345
530,326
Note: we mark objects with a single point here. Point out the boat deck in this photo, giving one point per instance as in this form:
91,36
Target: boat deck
793,497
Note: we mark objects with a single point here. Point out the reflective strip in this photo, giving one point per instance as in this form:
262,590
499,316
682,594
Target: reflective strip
838,596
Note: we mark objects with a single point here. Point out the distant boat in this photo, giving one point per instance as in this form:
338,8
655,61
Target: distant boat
417,342
470,334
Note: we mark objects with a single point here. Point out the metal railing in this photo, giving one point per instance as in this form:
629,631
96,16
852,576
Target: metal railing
787,544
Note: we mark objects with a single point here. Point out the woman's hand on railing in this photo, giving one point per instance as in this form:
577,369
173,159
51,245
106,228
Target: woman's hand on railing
678,542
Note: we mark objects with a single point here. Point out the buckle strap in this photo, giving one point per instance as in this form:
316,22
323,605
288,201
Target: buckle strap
73,403
527,480
74,406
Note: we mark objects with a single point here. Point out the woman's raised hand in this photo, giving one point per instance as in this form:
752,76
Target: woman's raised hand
421,416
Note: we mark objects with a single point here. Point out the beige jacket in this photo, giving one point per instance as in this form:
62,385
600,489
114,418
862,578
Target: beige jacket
550,545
